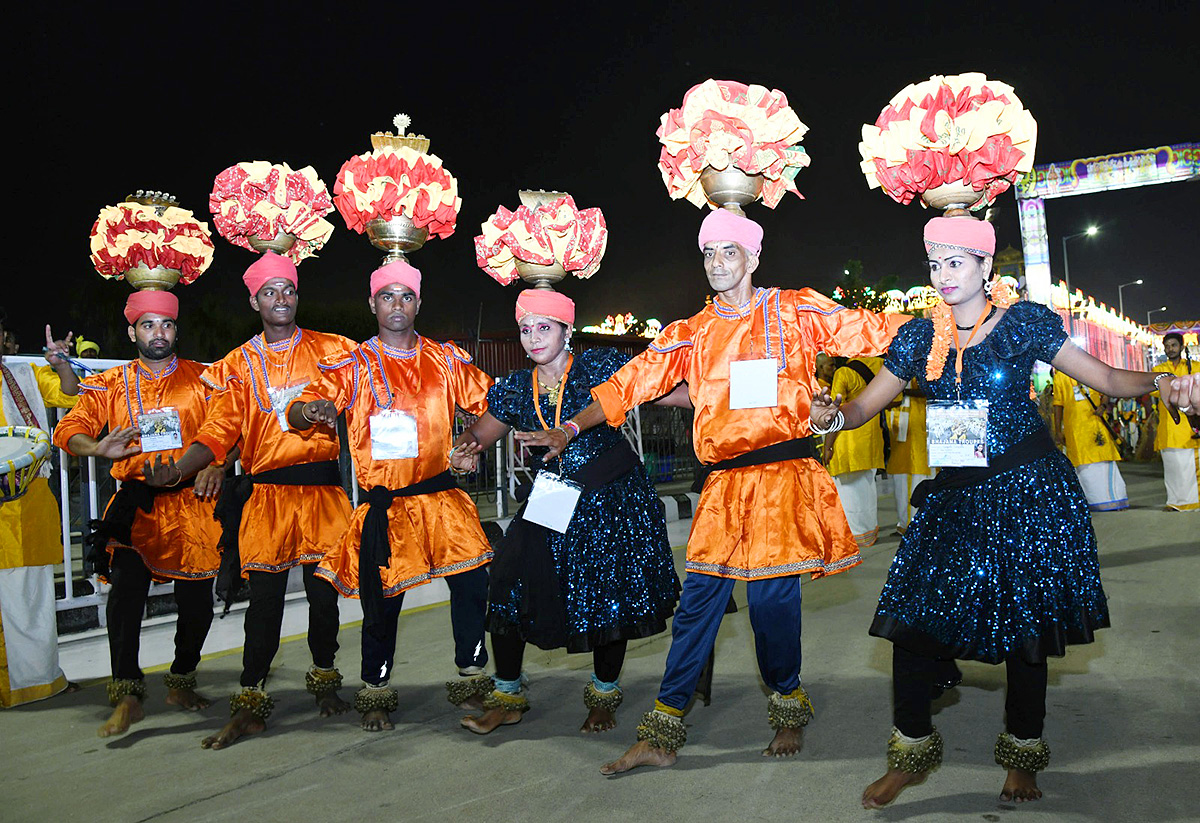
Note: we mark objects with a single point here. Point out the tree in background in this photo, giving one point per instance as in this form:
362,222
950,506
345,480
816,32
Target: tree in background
854,292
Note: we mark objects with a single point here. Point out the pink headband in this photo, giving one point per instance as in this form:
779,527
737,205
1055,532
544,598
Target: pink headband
966,233
158,302
267,267
398,271
546,303
723,224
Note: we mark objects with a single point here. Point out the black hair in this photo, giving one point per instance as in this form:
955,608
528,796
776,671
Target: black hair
1173,335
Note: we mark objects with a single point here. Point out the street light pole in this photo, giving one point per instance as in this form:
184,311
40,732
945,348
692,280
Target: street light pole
1121,297
1091,231
1153,311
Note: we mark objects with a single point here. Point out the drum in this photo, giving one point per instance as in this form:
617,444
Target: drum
23,450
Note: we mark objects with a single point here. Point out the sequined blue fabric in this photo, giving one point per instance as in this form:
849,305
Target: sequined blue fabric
614,563
1008,566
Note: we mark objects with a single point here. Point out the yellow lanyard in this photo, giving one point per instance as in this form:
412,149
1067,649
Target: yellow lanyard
537,403
958,350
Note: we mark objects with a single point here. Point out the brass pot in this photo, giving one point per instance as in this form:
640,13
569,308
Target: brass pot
540,277
396,236
731,188
280,243
956,196
158,278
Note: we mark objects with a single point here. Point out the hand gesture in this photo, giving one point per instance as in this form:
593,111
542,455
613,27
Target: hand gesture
160,474
465,457
208,482
118,444
320,412
555,440
58,352
824,408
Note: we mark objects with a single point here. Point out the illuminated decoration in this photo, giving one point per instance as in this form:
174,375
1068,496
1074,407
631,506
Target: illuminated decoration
621,325
1146,167
920,298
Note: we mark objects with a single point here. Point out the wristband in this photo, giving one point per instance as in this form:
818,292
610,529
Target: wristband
1160,377
572,427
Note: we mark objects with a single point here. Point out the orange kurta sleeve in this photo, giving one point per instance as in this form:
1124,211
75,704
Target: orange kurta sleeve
844,332
469,383
90,414
222,425
337,384
650,375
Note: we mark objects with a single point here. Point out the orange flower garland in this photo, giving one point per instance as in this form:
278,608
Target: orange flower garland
1002,296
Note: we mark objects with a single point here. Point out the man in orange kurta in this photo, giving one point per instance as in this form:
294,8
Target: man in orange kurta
290,508
399,391
149,534
768,512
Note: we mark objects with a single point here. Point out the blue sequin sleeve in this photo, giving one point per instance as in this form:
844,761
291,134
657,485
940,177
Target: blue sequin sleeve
909,349
1046,329
505,399
601,364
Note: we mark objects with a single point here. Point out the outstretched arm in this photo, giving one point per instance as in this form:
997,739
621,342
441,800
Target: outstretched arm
556,439
870,402
1115,382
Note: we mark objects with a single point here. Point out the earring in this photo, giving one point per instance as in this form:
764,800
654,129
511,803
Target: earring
988,285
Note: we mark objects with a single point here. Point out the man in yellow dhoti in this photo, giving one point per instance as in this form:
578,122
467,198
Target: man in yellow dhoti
29,537
1177,442
1078,424
908,464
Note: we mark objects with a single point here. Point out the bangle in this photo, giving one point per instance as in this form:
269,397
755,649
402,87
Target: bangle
304,414
1160,376
838,421
180,480
574,427
456,471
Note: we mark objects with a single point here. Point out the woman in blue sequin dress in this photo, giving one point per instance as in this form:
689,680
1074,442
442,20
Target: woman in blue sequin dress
999,563
610,578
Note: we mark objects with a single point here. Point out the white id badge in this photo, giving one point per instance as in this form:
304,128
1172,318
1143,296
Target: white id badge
281,397
753,384
393,435
957,432
160,429
1079,396
552,501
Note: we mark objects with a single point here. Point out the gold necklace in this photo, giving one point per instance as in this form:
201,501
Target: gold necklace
551,391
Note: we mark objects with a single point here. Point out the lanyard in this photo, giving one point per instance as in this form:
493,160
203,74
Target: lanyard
267,353
537,404
159,387
958,350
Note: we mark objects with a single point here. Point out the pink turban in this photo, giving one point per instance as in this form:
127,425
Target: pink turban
158,302
723,224
966,233
546,303
267,267
398,271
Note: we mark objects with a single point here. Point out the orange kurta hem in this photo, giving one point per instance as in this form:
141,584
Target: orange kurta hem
431,535
765,521
282,526
177,539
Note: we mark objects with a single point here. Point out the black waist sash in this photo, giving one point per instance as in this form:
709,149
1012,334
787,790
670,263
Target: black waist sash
1024,451
524,555
774,453
234,495
376,549
117,523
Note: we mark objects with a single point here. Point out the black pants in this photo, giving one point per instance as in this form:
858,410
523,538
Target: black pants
468,606
264,621
912,683
509,649
130,581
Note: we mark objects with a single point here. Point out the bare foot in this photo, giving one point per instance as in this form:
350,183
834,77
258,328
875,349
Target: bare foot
885,789
490,720
187,699
1020,786
640,753
785,744
599,720
242,723
330,704
125,714
72,687
377,720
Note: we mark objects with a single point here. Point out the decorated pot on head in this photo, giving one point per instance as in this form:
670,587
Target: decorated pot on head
263,206
150,242
730,144
545,239
397,193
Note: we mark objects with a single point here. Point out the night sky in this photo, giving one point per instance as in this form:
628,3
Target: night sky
565,99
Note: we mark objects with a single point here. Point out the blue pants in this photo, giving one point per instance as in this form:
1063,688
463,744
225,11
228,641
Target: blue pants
774,616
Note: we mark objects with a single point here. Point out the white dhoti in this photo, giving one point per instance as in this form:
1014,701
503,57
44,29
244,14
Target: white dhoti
1103,486
904,485
29,667
860,501
1181,472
